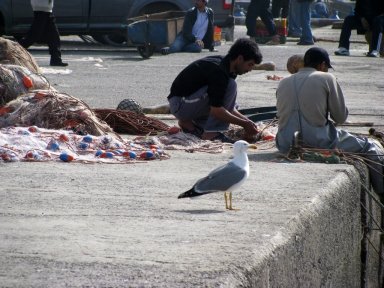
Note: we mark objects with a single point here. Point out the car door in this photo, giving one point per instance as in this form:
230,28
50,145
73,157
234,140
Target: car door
71,16
108,15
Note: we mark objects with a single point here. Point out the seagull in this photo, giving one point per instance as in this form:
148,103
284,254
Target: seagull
225,178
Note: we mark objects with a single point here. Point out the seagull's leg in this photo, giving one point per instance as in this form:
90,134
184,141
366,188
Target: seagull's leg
230,203
226,200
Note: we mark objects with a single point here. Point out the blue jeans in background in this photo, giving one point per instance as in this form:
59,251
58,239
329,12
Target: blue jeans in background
182,45
299,20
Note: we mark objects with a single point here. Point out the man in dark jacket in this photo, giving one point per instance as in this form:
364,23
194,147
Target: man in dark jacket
197,30
362,20
203,95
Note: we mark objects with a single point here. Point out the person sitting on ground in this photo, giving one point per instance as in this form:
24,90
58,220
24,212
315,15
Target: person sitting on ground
362,20
320,10
304,101
44,29
260,8
197,32
203,95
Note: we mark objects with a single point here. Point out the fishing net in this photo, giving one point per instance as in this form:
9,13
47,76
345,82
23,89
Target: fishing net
17,80
128,122
52,110
13,53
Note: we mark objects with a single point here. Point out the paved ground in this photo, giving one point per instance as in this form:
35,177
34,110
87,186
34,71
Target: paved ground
121,225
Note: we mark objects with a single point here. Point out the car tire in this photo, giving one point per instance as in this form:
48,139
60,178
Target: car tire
115,39
146,51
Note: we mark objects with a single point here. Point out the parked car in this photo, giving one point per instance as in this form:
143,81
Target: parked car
105,21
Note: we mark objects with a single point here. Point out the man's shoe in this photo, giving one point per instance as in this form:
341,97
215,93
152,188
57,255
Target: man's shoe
165,50
342,52
373,53
58,63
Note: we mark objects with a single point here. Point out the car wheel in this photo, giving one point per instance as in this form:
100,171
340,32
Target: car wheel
99,38
146,51
115,39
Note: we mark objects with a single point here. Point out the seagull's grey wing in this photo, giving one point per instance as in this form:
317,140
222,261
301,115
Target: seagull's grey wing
220,179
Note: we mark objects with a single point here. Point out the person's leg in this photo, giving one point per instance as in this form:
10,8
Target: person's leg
178,44
250,19
276,8
52,38
213,125
294,28
192,47
191,111
350,22
377,28
266,17
305,23
284,8
36,32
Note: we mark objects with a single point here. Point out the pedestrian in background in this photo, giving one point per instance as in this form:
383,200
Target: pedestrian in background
299,21
362,20
203,95
197,32
44,29
260,8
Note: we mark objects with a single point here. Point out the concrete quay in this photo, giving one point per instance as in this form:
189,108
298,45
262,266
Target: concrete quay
298,224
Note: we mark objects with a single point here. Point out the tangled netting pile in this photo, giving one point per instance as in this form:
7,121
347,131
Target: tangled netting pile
16,80
13,53
38,123
53,110
39,144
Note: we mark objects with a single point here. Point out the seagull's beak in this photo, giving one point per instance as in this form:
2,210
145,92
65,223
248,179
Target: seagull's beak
252,146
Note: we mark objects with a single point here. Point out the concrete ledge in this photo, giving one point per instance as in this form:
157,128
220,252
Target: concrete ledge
320,247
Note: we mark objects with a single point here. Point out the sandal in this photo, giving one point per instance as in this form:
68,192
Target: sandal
224,139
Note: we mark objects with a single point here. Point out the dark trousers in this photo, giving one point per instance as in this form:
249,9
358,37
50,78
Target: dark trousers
351,22
44,30
280,5
259,8
377,28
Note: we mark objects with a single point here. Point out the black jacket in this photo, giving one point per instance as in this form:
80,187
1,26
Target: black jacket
369,9
189,21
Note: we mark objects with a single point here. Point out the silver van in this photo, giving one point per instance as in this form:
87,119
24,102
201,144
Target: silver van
104,20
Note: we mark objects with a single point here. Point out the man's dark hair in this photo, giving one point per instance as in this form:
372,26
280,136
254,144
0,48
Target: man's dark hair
247,48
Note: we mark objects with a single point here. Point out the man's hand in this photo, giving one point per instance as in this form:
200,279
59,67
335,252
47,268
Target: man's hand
200,43
365,24
250,131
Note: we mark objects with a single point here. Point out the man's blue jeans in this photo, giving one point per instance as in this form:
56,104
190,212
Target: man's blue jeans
299,20
182,45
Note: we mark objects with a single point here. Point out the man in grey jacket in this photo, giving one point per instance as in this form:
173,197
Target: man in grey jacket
44,29
306,99
197,32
